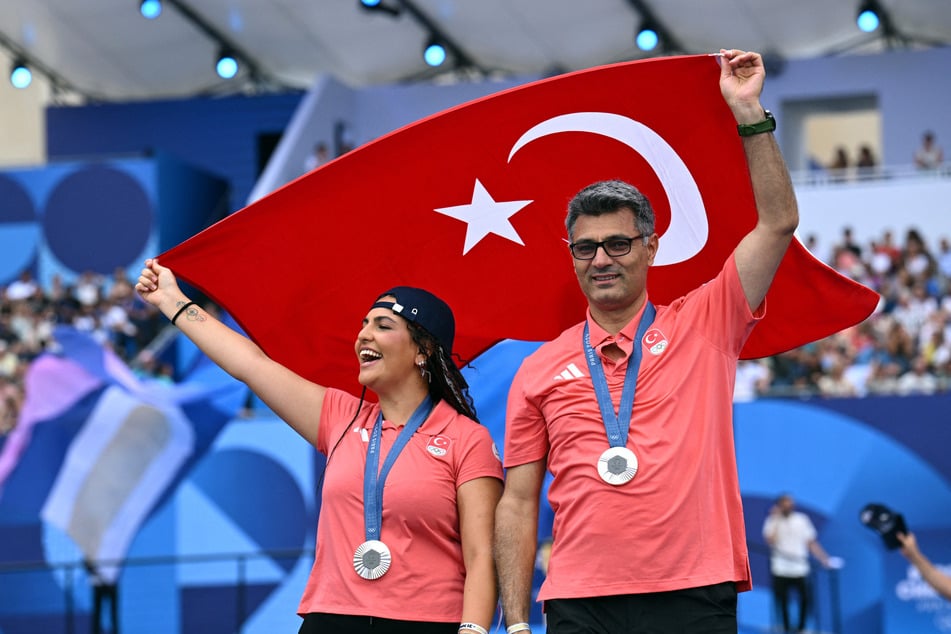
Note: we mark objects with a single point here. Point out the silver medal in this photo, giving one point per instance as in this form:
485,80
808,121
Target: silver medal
617,465
372,559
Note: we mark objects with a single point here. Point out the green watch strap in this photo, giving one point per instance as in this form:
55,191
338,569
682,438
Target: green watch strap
766,125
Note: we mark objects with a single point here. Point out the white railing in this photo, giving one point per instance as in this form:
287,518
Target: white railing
849,175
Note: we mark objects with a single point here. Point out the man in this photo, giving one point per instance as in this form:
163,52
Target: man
791,537
102,590
648,531
928,571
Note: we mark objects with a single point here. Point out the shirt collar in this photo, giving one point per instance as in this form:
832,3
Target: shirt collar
624,339
435,423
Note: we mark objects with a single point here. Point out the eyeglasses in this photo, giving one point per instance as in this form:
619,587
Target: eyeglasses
614,247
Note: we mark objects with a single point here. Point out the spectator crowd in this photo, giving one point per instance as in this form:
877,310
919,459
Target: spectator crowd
107,308
903,348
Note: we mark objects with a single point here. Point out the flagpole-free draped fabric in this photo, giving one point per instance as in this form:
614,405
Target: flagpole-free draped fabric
470,204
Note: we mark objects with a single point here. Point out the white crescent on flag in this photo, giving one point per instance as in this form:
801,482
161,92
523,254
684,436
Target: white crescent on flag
687,233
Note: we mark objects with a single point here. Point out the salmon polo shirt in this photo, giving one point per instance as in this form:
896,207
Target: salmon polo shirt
679,522
420,522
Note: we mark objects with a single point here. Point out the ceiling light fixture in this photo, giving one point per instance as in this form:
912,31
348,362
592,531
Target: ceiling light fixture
231,60
434,53
648,36
869,16
26,66
150,9
652,35
20,74
227,64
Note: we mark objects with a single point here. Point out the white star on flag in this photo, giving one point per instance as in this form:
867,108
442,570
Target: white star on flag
484,216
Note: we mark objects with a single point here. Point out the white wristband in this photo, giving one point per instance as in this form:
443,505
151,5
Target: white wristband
518,627
478,629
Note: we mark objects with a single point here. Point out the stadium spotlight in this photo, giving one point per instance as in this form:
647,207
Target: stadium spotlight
434,53
648,37
20,75
227,64
150,9
869,16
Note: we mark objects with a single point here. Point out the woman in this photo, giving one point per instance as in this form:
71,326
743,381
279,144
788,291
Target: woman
419,558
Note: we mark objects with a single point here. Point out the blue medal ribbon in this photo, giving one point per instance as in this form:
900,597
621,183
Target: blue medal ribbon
617,425
374,478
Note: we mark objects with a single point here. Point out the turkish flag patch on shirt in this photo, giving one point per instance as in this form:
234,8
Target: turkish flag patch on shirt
438,445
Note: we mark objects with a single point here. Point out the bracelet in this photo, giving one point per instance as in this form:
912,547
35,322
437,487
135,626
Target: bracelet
181,310
474,627
518,627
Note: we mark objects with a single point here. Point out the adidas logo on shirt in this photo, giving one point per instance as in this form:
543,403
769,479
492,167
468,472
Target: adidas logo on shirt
571,372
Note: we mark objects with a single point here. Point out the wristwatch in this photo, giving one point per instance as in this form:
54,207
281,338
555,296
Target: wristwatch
766,125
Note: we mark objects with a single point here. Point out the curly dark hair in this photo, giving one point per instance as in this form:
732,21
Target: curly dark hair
446,381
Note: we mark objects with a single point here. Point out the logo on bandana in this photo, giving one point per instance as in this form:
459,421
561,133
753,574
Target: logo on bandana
438,445
655,341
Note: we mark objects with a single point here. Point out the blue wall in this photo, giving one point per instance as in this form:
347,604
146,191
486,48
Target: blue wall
218,135
73,217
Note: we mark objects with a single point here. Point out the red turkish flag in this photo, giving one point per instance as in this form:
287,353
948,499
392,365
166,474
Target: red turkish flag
470,204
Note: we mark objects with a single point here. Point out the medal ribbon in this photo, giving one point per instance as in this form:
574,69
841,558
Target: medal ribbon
617,425
374,478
